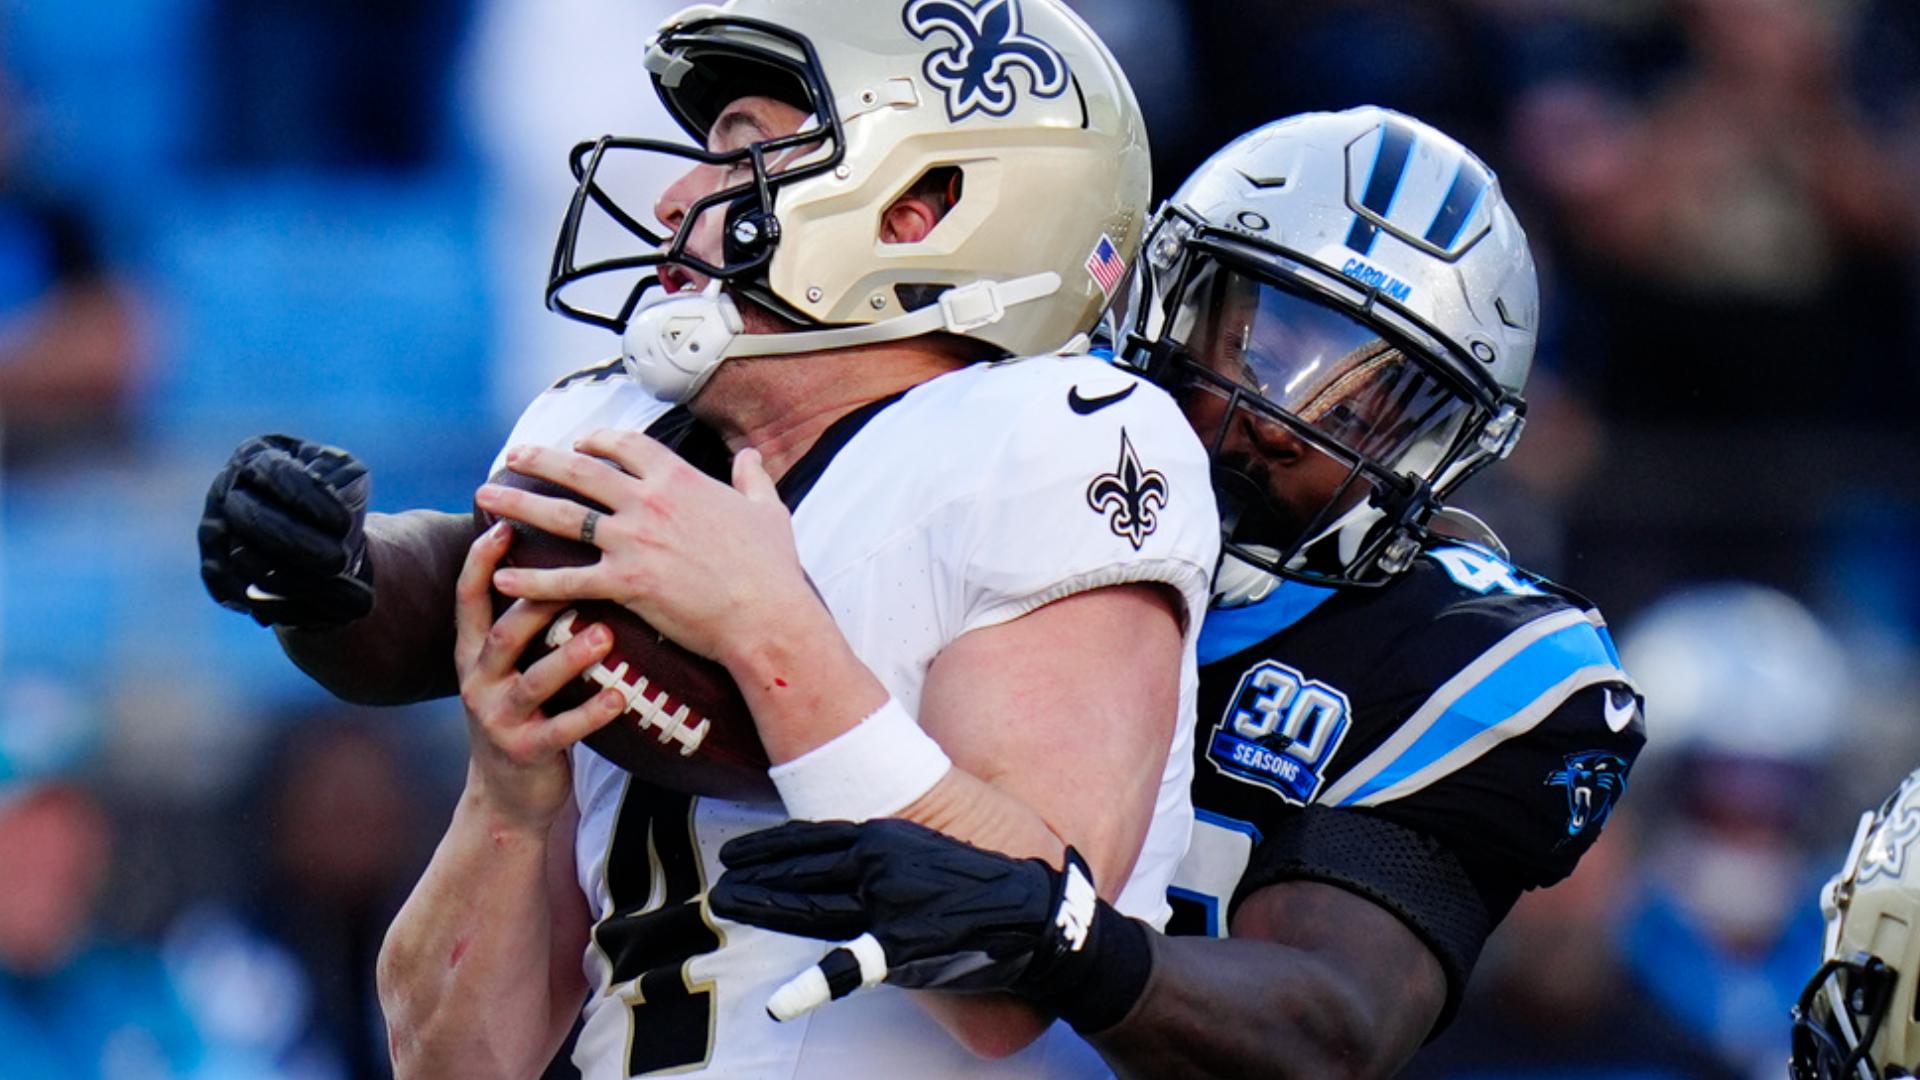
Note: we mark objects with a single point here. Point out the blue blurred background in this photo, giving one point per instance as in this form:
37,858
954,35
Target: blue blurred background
333,217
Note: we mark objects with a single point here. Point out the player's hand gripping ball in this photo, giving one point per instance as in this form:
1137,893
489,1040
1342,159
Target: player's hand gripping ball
685,726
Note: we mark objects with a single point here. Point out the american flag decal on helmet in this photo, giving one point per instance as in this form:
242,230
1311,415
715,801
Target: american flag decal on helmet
1105,265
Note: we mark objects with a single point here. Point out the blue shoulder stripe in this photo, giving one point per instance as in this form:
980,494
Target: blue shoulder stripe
1606,641
1506,691
1228,630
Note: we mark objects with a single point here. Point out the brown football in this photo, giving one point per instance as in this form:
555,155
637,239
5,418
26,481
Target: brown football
685,727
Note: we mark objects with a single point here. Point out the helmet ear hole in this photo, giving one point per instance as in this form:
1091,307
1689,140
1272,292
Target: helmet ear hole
941,185
938,191
925,203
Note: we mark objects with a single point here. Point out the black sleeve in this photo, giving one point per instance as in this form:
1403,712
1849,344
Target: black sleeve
1417,878
1520,816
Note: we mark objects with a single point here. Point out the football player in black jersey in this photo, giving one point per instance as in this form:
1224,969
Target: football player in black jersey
1399,731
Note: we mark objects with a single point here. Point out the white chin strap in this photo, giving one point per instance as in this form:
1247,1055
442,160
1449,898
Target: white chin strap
1352,528
1238,583
1348,532
673,346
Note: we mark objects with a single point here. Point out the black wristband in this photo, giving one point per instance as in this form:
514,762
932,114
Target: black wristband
1115,975
1095,986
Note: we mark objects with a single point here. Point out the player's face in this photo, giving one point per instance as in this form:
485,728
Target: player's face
1297,479
746,121
1332,375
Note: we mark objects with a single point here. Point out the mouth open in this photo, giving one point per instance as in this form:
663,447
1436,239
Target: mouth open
677,279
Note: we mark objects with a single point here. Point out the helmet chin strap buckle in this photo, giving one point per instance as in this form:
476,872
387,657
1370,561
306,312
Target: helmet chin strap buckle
1503,431
1399,554
961,309
972,306
672,347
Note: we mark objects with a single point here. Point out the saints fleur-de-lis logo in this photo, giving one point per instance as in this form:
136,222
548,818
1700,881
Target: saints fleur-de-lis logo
988,45
1131,496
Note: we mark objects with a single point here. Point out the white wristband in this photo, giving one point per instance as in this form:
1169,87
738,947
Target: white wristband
876,768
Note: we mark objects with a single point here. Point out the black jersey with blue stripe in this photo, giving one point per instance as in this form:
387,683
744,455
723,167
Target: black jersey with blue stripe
1438,744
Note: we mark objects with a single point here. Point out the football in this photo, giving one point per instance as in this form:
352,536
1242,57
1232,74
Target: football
685,727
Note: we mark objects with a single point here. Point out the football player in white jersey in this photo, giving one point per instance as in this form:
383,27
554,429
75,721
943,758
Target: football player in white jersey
1402,731
1859,1016
951,587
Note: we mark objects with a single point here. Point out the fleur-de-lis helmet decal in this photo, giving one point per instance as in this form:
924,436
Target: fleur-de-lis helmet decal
1131,496
989,44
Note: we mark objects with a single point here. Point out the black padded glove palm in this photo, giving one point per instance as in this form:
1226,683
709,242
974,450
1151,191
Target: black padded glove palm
927,911
283,535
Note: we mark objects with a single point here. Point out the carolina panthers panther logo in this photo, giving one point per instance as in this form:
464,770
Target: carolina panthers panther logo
988,43
1595,780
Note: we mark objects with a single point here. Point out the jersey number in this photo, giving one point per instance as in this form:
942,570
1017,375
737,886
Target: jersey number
656,929
1274,698
1481,572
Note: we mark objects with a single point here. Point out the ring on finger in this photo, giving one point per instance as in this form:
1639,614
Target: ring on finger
587,526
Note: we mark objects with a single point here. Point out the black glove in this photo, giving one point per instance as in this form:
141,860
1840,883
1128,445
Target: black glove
924,910
283,537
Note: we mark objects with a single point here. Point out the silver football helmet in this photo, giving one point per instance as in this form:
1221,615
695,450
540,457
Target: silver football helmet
1352,290
1856,1019
1013,108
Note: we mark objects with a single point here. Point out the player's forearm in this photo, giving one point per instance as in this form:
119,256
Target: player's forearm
1241,1007
402,651
968,808
802,682
990,1026
807,687
460,971
810,711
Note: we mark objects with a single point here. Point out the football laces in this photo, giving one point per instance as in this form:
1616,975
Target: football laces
650,709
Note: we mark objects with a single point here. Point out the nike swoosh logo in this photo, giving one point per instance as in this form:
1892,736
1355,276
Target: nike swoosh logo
1089,406
1618,718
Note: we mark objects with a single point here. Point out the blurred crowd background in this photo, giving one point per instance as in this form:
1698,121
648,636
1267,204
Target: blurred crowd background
333,218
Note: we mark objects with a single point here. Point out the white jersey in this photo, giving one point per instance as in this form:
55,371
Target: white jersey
971,500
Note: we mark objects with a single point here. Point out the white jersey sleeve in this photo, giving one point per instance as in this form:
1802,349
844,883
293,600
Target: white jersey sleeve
1094,480
1087,477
